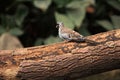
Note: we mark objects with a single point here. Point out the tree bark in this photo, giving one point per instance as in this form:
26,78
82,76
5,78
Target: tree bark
63,61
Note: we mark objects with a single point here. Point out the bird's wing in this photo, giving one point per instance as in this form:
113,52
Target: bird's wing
72,34
75,35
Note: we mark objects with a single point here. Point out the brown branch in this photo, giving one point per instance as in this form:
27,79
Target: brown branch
66,60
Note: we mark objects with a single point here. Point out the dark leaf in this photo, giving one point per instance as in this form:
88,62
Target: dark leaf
116,21
62,3
106,24
21,13
2,30
16,31
38,42
114,3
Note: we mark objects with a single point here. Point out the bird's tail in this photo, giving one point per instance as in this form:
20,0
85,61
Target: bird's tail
90,41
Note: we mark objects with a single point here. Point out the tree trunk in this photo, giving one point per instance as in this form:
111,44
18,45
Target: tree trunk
62,61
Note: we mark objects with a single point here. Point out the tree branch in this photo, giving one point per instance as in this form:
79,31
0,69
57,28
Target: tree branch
65,60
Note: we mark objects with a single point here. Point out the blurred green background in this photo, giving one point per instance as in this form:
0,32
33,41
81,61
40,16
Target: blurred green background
33,21
26,23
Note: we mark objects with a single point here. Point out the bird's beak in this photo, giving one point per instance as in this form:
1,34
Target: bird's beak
57,26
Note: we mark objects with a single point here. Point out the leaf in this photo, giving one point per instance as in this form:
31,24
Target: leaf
52,39
77,16
62,3
2,30
42,4
20,14
114,3
63,18
80,3
7,21
83,29
23,0
10,20
16,31
77,10
90,2
39,42
116,21
3,20
106,24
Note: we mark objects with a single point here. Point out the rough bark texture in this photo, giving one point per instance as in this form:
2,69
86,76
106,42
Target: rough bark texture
63,61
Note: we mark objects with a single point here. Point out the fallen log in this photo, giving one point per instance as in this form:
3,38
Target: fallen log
64,61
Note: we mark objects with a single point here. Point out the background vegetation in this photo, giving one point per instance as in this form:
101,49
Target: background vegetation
33,21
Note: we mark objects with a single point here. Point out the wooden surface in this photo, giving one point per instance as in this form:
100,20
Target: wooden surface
63,61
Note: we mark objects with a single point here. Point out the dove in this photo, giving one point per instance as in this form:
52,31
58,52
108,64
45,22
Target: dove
68,34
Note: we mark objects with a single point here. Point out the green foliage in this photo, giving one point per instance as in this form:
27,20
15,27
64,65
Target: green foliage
13,23
83,29
114,3
116,21
20,14
76,13
106,24
65,19
62,3
2,30
75,10
39,41
52,39
73,13
42,4
16,31
115,24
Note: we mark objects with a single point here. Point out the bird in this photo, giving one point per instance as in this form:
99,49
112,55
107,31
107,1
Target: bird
71,35
68,34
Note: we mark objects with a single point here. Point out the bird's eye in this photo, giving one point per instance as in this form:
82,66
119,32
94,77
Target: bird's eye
57,26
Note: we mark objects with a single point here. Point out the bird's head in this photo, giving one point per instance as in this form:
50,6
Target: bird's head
59,24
